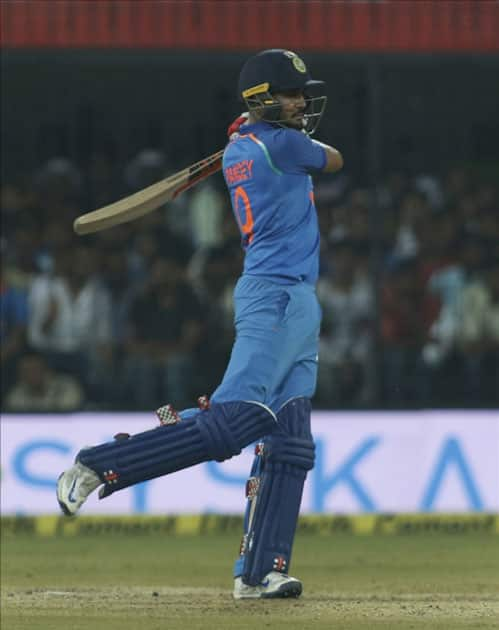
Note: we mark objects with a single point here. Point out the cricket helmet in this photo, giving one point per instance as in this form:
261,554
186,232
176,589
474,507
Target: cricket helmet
277,70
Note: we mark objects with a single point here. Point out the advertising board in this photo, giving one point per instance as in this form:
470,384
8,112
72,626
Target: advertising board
370,462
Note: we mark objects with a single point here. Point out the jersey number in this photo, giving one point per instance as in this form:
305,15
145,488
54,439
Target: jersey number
240,195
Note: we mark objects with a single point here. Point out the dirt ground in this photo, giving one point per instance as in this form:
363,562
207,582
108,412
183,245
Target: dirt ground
161,583
180,608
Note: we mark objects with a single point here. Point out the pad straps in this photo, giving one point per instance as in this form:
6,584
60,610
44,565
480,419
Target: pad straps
288,454
217,433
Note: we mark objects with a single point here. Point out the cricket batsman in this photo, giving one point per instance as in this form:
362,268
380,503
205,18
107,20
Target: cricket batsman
265,394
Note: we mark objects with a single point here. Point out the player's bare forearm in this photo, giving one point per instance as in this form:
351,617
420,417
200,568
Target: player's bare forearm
334,160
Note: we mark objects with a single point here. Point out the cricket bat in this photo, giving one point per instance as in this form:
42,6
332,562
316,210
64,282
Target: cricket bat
148,199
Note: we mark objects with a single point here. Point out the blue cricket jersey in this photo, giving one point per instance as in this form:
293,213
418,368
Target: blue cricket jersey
267,170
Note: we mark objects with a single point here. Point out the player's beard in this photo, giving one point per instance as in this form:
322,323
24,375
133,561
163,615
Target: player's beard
295,121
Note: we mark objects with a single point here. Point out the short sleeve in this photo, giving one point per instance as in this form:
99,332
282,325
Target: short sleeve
294,152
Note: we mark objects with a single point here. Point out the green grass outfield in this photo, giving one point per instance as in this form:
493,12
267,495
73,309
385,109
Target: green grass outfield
88,574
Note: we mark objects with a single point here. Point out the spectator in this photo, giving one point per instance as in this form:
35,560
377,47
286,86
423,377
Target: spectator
21,249
407,313
447,284
58,184
116,278
437,235
477,337
152,237
347,303
38,388
392,190
207,209
215,272
145,250
69,317
13,322
55,237
414,210
165,330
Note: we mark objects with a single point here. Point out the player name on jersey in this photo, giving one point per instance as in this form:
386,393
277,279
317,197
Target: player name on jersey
239,172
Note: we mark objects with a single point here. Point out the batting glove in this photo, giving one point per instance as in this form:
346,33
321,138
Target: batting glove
234,128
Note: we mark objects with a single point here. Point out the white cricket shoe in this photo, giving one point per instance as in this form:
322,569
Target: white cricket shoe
274,585
74,486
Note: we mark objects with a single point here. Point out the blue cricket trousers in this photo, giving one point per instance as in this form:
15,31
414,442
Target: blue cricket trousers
275,354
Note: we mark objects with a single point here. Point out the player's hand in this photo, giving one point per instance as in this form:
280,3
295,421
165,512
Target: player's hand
234,128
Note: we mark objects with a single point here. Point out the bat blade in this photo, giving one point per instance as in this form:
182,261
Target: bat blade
148,199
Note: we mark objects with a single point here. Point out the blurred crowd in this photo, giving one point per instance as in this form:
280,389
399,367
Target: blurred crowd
141,314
